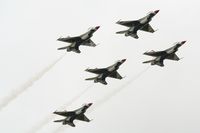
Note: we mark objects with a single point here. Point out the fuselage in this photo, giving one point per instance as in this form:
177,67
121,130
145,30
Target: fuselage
142,22
169,53
76,113
78,40
111,69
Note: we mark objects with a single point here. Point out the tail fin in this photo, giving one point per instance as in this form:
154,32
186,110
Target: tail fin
121,32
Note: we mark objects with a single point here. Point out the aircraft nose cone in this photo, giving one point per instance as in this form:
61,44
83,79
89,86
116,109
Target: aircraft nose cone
97,27
89,104
183,42
123,60
156,11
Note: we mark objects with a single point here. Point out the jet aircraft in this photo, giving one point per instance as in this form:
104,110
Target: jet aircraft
75,42
134,26
73,115
102,73
160,56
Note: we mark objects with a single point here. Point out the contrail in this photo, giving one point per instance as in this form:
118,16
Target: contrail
15,93
50,118
119,89
109,96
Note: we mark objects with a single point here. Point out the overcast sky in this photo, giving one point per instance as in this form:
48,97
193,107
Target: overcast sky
161,100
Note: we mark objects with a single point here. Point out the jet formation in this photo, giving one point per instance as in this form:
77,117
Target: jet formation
160,56
103,73
135,25
75,42
111,71
77,114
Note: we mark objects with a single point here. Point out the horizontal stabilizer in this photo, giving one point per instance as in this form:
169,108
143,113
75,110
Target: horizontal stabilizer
63,48
121,32
91,78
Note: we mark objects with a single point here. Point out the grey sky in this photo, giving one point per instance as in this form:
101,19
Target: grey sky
161,100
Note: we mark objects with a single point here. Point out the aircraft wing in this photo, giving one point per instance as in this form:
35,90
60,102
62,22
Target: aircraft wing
65,113
82,118
173,57
96,70
155,53
70,39
115,75
148,28
89,43
128,23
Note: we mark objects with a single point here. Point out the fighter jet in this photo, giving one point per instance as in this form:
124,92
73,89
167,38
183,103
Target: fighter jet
76,41
102,73
141,24
73,115
169,53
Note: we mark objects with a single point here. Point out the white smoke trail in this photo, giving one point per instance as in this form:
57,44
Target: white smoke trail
14,94
117,90
50,118
109,96
59,129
